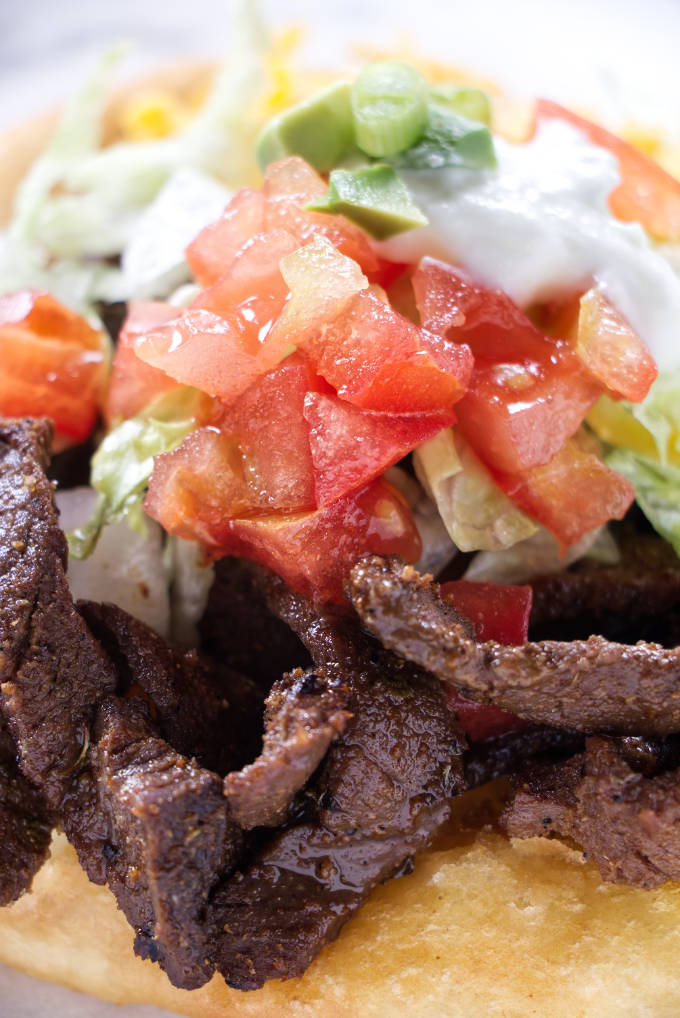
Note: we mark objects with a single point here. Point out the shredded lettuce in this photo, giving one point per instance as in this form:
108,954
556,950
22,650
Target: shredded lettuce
123,464
646,441
476,513
540,555
80,204
657,490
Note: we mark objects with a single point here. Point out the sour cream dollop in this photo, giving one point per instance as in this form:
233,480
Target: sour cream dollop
538,226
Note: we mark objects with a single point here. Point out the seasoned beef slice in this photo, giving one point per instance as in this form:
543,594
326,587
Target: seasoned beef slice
202,708
25,825
304,714
587,685
379,796
52,671
628,824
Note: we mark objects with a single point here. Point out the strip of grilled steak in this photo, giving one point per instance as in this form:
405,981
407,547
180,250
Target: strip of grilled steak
628,824
170,837
378,797
305,712
238,628
590,685
52,671
25,825
639,599
202,708
509,752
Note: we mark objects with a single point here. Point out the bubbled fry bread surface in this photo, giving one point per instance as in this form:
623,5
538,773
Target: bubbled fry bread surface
483,928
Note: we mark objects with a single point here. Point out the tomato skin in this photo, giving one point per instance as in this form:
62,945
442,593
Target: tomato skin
499,613
133,383
350,447
646,194
572,494
54,364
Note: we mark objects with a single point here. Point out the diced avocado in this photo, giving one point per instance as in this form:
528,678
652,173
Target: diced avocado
450,139
373,197
320,129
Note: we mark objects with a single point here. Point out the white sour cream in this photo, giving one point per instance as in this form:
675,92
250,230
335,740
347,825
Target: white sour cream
539,226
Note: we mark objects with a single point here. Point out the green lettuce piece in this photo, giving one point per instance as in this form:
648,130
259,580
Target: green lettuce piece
476,513
123,464
657,490
660,413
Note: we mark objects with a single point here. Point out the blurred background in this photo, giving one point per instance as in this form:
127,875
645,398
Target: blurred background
618,57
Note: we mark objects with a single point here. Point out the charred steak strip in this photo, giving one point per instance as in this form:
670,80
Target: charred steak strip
52,671
378,797
304,714
628,824
590,685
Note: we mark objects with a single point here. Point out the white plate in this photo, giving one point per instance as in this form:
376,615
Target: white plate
619,56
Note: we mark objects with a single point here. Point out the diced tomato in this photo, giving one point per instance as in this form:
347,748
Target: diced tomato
528,392
572,494
289,185
54,364
196,488
315,551
499,613
134,384
517,415
350,446
646,194
212,252
253,278
452,304
274,436
380,361
611,350
215,353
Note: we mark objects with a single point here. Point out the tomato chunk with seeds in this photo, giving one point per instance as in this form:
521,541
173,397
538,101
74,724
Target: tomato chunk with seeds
646,194
196,488
54,364
350,447
273,433
572,494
